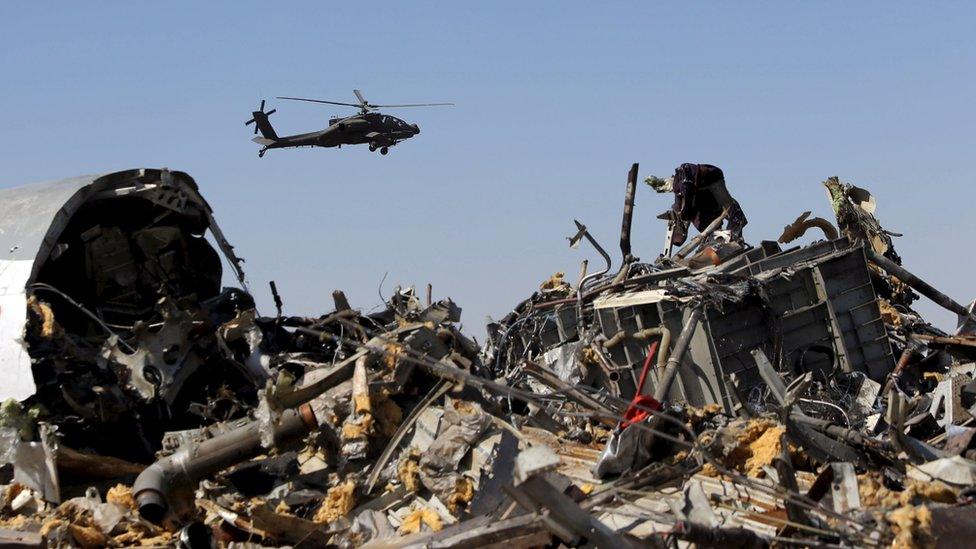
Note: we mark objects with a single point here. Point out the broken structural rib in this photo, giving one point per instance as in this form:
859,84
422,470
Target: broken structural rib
801,225
628,216
916,283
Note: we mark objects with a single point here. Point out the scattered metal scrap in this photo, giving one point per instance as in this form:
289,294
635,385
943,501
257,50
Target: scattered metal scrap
721,394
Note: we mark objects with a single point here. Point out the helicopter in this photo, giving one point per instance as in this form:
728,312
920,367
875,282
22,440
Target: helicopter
380,131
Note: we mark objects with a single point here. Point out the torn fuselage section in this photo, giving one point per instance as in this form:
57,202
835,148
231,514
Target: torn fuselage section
112,290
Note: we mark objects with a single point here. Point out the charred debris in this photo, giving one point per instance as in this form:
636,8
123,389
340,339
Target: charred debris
723,394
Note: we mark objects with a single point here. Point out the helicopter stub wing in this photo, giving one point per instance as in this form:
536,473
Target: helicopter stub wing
380,138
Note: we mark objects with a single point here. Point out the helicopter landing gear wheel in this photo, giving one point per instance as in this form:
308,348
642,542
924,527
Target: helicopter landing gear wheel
384,150
261,154
372,147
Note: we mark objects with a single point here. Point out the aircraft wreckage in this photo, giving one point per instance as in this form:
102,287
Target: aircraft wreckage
723,394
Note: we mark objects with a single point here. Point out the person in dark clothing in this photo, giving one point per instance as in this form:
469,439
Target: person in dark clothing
700,197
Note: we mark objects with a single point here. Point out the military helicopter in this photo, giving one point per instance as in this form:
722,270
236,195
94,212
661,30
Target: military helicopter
380,131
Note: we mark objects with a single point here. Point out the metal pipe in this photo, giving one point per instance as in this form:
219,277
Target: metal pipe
193,462
582,274
617,339
82,309
677,354
663,331
917,283
708,536
908,356
625,249
694,242
583,232
839,431
611,371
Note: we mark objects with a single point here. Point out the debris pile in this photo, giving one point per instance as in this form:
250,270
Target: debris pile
721,394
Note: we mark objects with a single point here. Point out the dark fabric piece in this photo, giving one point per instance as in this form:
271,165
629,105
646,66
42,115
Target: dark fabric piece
699,197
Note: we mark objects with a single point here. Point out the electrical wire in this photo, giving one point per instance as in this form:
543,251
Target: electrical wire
83,309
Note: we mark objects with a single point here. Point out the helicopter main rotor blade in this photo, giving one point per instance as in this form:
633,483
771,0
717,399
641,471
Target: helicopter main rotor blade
359,96
321,101
412,105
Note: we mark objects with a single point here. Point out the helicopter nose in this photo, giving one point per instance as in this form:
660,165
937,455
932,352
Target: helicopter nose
416,129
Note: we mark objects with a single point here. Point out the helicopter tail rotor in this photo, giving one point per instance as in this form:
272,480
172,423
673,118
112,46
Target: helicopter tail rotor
260,120
259,116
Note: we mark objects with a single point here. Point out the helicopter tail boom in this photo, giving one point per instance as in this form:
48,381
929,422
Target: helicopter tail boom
264,125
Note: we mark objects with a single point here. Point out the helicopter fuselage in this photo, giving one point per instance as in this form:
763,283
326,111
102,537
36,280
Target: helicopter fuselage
375,129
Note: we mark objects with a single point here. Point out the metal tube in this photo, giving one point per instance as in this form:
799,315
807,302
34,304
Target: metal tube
617,339
694,242
677,354
579,290
579,280
663,331
836,431
625,249
916,283
662,350
195,461
599,248
707,536
908,356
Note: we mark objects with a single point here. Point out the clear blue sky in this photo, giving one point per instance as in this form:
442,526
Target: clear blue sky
555,100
